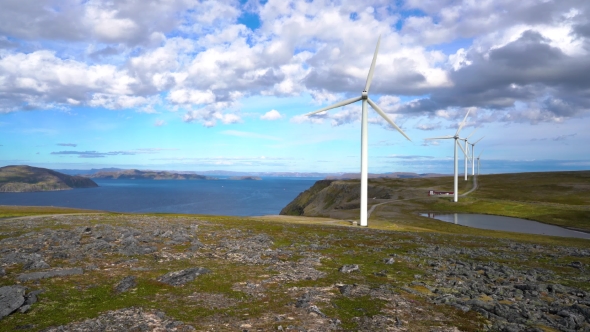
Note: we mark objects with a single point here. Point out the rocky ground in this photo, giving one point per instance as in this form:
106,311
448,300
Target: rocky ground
168,273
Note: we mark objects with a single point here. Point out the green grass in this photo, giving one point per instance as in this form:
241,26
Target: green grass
11,211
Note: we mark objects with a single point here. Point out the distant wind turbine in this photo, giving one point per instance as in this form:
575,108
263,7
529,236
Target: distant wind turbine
456,143
364,135
478,161
472,152
466,150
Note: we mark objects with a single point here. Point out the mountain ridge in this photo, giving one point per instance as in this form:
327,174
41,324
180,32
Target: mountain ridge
23,178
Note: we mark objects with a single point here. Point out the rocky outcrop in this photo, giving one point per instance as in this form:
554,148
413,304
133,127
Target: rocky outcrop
13,298
128,319
29,179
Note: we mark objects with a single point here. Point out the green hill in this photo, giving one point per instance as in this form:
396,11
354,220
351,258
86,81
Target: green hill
558,198
27,179
153,175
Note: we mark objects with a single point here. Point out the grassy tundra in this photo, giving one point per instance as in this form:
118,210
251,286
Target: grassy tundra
278,273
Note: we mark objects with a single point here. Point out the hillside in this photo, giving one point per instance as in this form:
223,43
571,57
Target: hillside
558,198
27,179
153,175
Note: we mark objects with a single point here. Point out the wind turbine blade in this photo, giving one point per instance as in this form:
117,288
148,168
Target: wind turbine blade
372,69
462,149
480,154
462,123
342,103
442,137
473,132
383,115
477,140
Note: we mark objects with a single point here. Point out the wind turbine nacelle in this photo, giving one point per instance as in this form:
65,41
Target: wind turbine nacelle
364,95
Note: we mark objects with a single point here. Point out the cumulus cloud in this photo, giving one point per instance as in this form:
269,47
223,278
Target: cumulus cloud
194,56
271,115
159,123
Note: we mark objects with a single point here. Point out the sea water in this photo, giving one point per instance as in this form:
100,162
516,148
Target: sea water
217,197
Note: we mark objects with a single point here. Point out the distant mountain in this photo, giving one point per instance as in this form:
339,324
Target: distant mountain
27,179
87,171
153,175
271,174
396,175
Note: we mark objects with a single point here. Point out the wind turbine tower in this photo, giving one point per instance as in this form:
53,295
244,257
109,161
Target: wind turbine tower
478,161
466,151
456,138
473,159
364,134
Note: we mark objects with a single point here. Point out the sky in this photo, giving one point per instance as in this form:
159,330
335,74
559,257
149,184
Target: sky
223,85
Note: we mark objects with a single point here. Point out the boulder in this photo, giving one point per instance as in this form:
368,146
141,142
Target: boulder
349,268
181,277
11,298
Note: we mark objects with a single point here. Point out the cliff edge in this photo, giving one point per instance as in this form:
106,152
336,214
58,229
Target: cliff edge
328,196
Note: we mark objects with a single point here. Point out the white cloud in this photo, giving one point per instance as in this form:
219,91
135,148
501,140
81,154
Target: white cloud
159,123
317,118
271,115
188,54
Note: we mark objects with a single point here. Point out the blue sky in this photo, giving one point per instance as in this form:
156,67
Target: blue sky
208,85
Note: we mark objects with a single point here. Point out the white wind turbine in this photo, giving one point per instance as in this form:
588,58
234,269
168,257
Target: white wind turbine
466,150
478,161
472,151
364,135
456,143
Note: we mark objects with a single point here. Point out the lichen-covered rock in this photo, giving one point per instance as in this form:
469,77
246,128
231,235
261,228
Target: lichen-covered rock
126,284
181,277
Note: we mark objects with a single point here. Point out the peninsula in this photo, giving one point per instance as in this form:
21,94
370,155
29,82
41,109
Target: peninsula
153,175
24,178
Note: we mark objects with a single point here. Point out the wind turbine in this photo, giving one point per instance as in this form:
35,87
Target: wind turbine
364,135
472,151
478,161
466,150
456,143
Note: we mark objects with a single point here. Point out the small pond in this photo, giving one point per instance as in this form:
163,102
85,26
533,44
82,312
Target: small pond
508,224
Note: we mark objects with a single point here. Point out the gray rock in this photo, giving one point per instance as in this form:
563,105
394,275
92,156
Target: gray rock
36,265
178,278
2,272
126,284
196,245
31,298
316,310
389,261
11,298
349,268
24,309
49,274
303,301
